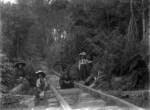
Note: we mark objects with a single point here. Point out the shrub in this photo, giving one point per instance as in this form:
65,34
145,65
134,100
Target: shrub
7,73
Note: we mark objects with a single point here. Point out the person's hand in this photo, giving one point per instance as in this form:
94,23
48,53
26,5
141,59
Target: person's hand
66,81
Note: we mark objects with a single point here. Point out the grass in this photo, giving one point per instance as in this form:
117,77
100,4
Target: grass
141,101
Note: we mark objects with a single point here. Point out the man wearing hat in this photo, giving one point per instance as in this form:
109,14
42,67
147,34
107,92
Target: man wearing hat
41,84
82,66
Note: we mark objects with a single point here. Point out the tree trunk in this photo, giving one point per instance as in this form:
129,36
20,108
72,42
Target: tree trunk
131,7
18,39
148,31
107,18
17,45
0,30
143,18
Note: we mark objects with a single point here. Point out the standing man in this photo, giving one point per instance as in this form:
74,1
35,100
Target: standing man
82,66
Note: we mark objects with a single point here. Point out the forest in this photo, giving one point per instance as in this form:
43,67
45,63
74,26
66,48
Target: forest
113,33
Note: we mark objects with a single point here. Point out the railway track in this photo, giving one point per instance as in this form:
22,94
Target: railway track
81,98
97,100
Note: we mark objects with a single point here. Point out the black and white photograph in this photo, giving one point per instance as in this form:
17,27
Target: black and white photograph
74,54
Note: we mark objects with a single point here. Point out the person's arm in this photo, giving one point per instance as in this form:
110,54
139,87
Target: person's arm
45,82
88,61
66,81
38,83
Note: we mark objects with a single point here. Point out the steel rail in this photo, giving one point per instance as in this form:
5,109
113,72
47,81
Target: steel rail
104,96
62,102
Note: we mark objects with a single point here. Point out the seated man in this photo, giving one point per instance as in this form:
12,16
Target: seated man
66,81
41,84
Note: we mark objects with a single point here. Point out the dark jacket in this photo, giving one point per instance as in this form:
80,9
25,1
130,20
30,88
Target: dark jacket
20,73
66,82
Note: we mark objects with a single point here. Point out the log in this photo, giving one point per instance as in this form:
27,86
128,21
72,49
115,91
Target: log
28,101
129,93
20,100
16,89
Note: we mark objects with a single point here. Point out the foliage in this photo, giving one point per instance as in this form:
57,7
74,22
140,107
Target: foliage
34,31
7,73
108,42
140,100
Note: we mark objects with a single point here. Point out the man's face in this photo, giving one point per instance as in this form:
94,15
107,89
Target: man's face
40,76
80,57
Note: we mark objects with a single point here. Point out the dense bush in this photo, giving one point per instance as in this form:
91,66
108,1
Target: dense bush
7,73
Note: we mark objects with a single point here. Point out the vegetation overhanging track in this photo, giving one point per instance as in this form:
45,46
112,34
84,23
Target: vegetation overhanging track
62,102
104,96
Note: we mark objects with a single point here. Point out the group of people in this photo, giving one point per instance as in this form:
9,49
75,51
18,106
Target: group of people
65,81
41,83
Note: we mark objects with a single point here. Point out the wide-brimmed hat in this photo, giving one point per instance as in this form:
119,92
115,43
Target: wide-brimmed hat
40,72
83,53
20,63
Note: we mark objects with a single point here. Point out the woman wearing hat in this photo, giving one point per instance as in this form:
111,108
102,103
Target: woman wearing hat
65,80
21,76
82,66
20,69
41,84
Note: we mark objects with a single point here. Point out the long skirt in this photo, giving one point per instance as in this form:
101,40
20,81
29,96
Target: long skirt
83,71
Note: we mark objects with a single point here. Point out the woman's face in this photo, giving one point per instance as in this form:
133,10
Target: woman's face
20,66
65,73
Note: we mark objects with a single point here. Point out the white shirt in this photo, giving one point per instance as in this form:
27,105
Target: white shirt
38,83
83,61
